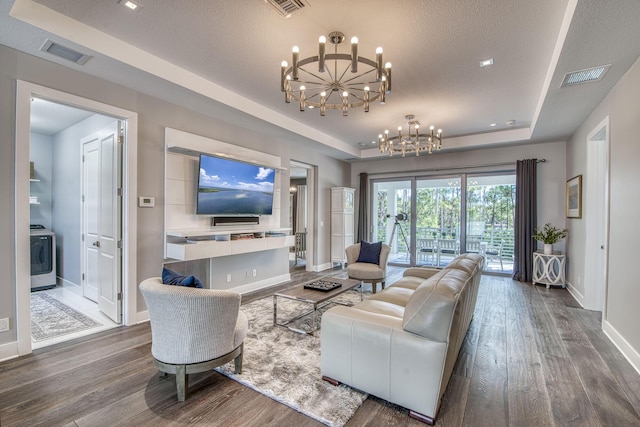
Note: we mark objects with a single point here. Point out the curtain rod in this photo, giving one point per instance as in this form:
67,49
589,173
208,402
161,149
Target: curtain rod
489,165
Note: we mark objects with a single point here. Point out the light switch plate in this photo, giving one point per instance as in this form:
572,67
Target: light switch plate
146,201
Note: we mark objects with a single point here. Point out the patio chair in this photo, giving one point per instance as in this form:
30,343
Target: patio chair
494,253
449,247
473,246
426,248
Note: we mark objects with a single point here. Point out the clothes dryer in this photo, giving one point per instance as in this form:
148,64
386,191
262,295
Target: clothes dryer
43,258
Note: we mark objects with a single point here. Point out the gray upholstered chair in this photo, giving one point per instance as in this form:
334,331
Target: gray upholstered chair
193,330
364,271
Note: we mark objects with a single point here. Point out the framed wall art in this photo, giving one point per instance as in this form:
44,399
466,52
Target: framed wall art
574,197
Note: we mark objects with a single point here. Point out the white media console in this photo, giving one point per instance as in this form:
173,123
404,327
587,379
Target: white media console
198,244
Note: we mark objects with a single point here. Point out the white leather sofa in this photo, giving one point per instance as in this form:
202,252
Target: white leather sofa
402,343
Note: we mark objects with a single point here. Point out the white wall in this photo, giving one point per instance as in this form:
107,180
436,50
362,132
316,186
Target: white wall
41,153
622,105
551,174
8,68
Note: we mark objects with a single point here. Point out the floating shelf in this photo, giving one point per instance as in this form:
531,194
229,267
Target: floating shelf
218,243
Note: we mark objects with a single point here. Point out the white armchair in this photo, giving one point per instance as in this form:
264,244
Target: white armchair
193,330
364,271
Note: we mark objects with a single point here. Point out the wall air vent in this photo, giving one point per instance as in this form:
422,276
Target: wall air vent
287,8
65,52
585,76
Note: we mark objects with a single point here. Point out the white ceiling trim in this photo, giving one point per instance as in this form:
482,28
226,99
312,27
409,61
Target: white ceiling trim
470,141
84,35
555,58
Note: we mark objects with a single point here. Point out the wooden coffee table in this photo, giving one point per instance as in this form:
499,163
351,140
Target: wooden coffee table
317,299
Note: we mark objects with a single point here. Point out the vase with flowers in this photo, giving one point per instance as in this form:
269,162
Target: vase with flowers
549,235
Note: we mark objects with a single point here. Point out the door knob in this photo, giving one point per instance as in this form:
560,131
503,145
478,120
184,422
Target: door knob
96,244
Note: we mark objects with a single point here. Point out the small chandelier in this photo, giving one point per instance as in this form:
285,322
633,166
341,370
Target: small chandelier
328,84
413,140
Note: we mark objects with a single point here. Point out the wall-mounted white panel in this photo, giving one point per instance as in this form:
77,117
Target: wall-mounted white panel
181,192
181,167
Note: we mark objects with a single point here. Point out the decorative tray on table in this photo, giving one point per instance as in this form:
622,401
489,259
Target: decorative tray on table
322,285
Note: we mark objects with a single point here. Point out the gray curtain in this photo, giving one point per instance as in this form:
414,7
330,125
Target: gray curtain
525,220
363,224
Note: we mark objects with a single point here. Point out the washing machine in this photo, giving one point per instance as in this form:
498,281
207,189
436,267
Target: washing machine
43,258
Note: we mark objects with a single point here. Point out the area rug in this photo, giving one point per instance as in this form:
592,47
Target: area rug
285,365
51,318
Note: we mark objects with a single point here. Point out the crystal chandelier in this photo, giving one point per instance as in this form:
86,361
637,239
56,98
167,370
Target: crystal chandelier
335,81
413,140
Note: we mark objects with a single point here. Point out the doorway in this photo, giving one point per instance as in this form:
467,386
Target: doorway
61,161
597,218
61,213
301,215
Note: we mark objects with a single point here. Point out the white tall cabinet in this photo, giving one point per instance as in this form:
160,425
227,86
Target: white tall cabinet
342,222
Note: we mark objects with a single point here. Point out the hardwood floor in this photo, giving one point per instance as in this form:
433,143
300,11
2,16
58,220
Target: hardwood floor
531,357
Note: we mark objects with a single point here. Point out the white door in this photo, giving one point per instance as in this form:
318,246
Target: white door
101,206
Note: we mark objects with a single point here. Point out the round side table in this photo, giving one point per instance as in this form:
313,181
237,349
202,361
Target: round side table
549,269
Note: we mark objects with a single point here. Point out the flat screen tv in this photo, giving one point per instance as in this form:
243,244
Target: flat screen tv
231,187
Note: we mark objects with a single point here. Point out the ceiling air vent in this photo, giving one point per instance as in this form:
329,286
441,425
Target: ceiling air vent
65,52
585,76
287,8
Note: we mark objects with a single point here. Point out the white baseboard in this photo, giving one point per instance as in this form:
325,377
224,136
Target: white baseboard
65,282
8,351
323,267
142,316
575,294
622,344
261,284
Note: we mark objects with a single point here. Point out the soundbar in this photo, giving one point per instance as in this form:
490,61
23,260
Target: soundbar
235,220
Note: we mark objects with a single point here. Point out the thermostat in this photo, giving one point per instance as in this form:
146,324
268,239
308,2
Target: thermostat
146,202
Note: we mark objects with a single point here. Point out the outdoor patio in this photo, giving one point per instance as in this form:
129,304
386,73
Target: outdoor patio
492,265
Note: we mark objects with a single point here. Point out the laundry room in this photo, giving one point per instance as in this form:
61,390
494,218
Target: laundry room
63,305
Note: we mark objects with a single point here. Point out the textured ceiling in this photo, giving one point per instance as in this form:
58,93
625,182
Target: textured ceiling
49,118
230,51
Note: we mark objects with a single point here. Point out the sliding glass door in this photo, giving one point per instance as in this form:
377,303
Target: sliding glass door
428,221
391,218
490,213
438,204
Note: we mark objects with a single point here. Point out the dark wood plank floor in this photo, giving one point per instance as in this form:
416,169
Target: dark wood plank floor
532,357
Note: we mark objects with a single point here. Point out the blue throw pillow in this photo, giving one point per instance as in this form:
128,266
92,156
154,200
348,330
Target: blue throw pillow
370,252
170,277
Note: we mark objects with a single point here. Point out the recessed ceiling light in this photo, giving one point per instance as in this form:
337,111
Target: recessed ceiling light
130,4
373,142
486,62
511,122
362,144
493,124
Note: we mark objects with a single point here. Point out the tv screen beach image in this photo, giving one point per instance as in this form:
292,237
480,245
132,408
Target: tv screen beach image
231,187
